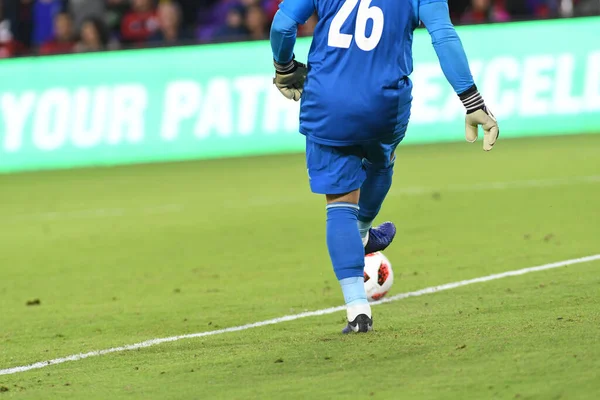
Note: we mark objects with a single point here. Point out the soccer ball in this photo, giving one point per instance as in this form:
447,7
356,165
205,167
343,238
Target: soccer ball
379,276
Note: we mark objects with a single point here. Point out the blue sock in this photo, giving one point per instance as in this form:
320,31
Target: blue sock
372,194
346,250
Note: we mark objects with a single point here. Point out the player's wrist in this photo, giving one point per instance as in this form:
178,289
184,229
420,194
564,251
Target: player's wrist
285,68
472,100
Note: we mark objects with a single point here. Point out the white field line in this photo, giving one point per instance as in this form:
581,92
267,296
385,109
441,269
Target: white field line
433,289
424,190
270,201
487,186
94,213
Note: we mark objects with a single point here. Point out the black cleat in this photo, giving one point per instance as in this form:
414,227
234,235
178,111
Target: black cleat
361,324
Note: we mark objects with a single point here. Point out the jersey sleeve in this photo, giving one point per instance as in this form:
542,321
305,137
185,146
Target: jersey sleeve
435,15
285,27
298,10
283,37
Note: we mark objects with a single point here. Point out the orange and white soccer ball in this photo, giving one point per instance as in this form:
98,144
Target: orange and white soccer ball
379,276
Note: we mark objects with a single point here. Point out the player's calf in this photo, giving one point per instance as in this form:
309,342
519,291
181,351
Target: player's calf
347,256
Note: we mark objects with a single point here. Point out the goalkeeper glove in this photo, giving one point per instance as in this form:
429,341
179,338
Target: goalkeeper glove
479,114
289,79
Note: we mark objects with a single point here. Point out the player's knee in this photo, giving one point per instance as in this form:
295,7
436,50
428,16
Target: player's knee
386,169
350,197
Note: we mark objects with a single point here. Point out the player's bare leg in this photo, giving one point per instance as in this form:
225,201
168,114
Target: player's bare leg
347,256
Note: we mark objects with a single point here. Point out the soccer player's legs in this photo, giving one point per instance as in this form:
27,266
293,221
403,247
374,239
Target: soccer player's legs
337,172
379,167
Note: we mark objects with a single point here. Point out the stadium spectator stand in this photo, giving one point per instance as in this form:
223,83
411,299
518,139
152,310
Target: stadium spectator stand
30,27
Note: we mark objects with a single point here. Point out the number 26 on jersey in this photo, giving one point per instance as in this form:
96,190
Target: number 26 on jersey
365,13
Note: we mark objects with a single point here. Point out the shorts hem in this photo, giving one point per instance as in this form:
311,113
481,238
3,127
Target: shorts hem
325,189
344,143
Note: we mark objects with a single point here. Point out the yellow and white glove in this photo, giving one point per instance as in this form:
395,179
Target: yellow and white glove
289,79
479,114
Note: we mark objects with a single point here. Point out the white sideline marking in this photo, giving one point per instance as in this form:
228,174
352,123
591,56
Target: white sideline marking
270,201
424,190
433,289
468,187
96,213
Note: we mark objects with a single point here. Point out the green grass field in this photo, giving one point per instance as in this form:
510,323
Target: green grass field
121,255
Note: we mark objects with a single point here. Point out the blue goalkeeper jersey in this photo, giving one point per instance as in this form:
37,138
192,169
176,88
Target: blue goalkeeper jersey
357,89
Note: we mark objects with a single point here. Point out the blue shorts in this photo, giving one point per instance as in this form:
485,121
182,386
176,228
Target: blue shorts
339,170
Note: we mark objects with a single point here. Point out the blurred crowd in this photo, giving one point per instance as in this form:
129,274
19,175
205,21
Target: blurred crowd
65,26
